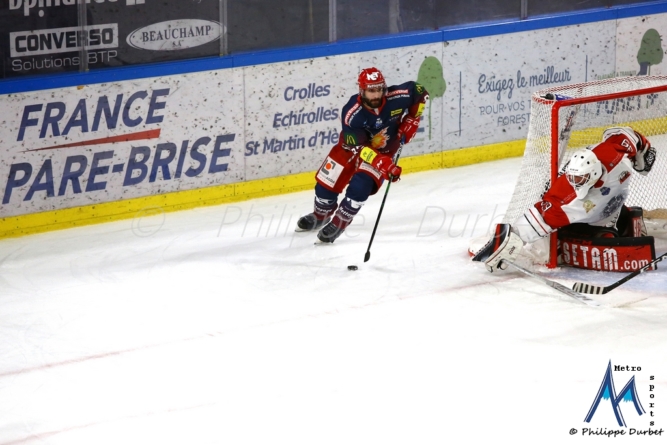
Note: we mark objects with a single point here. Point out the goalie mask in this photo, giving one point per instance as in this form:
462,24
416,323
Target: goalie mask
583,171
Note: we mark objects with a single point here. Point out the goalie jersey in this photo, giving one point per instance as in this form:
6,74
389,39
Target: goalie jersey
601,206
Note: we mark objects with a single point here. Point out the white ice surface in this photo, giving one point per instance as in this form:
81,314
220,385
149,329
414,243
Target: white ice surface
221,325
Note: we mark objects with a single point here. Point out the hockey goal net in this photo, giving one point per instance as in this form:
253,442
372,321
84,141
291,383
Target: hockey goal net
567,118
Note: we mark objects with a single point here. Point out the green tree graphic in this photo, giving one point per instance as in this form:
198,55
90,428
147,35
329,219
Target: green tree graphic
431,77
650,52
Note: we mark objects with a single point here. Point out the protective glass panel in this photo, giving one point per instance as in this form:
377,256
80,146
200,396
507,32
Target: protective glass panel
457,12
555,6
149,32
359,19
38,40
624,2
417,15
65,36
265,24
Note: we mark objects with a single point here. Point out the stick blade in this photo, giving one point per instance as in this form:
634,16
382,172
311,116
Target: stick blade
367,256
574,294
555,285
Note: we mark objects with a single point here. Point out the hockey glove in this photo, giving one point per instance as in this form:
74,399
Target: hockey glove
408,128
382,163
644,160
642,143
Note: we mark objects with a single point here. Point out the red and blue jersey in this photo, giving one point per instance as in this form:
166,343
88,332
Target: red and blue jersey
378,128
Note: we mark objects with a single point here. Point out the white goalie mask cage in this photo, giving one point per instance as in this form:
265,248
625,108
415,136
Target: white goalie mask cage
582,171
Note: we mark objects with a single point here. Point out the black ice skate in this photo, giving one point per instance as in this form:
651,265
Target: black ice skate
329,233
310,222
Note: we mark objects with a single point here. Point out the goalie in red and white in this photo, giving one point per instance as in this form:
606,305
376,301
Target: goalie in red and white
586,202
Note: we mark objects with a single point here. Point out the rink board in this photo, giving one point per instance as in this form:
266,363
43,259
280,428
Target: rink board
142,207
101,152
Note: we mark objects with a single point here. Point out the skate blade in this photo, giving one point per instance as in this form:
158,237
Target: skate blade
314,229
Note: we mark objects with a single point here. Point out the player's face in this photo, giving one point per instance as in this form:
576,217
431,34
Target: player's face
372,97
578,180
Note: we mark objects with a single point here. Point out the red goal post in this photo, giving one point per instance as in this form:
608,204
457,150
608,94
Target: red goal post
566,118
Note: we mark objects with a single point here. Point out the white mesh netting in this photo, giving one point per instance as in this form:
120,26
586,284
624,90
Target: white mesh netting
620,101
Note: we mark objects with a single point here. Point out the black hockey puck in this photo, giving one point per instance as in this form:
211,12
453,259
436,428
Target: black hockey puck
352,267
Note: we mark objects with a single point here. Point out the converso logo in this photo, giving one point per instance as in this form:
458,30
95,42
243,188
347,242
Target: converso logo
63,40
629,394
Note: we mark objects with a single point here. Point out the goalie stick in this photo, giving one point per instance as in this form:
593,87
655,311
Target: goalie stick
559,287
592,289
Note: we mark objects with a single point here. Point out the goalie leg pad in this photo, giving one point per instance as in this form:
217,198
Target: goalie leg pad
631,222
607,254
504,245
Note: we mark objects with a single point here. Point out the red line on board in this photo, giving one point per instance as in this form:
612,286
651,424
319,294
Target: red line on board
148,134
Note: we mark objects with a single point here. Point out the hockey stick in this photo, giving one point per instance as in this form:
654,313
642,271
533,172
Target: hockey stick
367,256
559,287
592,289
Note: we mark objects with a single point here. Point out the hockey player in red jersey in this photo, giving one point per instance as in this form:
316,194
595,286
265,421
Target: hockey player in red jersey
374,122
587,199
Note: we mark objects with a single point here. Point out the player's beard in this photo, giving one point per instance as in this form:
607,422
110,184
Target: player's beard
372,103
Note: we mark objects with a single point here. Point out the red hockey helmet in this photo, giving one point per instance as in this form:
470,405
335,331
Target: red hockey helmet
371,78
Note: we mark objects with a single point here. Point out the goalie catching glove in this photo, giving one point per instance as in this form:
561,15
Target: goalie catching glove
382,163
504,245
408,128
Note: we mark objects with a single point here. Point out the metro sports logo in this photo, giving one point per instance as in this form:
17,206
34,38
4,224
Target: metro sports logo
27,5
608,392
